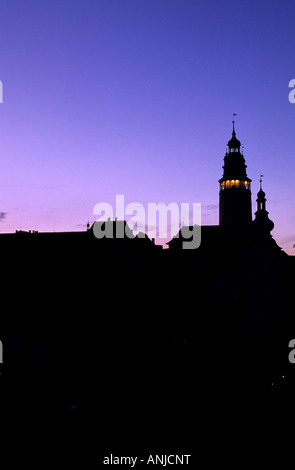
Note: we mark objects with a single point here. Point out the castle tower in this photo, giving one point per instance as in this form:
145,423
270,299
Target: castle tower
235,187
261,215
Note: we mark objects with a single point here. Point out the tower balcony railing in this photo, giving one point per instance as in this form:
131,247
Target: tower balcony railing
235,184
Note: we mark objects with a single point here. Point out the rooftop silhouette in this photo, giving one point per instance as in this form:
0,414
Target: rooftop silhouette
115,330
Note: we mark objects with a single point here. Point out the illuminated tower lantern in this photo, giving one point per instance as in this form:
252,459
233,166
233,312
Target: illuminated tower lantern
235,187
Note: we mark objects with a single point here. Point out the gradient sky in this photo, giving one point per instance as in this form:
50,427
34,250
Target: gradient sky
135,97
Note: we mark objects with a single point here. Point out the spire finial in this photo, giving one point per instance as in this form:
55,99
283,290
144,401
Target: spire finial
234,132
260,181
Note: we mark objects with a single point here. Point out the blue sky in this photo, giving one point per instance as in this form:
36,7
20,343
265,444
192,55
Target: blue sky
136,97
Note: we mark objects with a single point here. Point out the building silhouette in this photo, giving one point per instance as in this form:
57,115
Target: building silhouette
104,332
239,270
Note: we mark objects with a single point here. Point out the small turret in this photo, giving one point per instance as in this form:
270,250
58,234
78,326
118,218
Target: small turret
261,215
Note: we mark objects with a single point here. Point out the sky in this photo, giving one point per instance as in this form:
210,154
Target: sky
136,98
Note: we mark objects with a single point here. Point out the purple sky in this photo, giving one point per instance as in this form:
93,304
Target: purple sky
135,97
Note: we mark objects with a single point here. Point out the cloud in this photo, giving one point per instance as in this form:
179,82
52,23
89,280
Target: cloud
277,201
290,238
2,216
209,209
212,207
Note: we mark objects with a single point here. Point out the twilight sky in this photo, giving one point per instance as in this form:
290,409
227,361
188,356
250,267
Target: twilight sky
135,97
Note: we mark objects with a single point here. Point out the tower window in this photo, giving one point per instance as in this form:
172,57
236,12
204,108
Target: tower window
235,184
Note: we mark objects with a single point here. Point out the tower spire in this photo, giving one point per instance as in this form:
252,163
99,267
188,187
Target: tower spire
234,132
234,144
